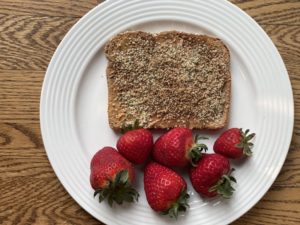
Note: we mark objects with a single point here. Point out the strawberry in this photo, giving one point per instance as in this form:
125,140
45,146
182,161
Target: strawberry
165,190
234,143
136,145
212,176
112,177
178,148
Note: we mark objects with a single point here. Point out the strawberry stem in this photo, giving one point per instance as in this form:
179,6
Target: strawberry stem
245,143
119,190
129,127
180,205
196,151
224,185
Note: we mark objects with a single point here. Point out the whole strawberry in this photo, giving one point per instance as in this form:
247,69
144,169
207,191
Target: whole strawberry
178,148
234,143
165,190
212,176
112,177
136,145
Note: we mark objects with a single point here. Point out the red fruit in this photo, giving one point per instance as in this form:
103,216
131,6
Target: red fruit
234,143
112,177
178,148
212,176
165,190
136,145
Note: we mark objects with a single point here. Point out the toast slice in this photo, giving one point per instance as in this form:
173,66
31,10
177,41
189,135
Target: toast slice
170,79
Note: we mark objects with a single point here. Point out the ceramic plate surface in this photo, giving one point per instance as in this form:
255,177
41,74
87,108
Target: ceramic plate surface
73,108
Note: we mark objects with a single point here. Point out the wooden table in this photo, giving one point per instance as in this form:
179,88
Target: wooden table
30,31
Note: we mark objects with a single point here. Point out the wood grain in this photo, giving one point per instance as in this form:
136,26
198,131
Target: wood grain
272,11
28,42
20,95
30,31
279,206
53,8
38,201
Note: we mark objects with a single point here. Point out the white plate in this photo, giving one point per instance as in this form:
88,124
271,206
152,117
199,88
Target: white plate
74,103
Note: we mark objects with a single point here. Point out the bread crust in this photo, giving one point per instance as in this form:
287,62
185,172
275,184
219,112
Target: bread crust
144,57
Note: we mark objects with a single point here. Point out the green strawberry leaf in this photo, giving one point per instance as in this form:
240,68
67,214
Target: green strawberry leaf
195,152
224,186
245,143
119,190
129,127
180,205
